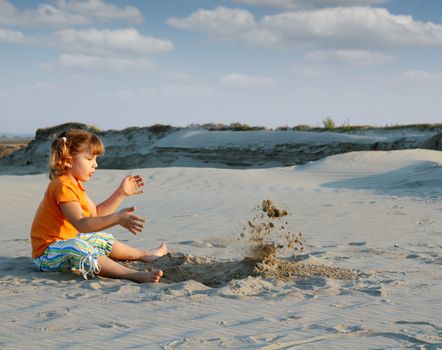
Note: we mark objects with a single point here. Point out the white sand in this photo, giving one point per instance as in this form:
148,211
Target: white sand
378,213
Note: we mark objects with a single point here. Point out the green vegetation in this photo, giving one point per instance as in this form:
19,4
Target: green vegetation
155,128
347,126
230,127
430,127
303,127
328,123
244,127
160,128
52,132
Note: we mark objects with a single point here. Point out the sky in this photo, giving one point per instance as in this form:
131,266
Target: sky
116,64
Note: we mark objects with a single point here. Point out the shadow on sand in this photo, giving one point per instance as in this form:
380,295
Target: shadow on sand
181,267
423,180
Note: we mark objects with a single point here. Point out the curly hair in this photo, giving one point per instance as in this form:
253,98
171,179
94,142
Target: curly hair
69,143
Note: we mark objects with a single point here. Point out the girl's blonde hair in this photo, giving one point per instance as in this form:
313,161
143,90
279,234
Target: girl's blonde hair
69,143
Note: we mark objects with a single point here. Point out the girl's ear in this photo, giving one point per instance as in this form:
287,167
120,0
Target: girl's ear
68,162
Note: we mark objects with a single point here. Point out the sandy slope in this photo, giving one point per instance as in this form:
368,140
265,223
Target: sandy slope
378,213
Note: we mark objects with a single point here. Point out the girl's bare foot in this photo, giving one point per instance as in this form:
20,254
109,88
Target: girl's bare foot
154,254
148,277
112,269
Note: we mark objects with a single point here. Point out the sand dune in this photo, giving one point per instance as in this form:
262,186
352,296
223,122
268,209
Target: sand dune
412,172
196,147
375,214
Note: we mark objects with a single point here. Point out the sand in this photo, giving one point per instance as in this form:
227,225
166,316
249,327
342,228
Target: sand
366,273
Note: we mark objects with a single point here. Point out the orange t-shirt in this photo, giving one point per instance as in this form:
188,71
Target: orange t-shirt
50,224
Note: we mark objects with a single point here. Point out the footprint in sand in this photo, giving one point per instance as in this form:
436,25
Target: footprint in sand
73,295
372,290
205,243
429,258
312,283
113,325
421,323
53,314
396,212
357,244
425,222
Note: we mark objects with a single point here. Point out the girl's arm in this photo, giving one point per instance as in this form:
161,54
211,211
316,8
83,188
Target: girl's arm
129,186
125,217
92,207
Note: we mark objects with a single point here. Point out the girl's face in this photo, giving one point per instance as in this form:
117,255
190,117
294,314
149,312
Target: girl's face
82,166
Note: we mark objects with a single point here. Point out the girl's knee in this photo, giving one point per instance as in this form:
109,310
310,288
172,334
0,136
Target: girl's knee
82,257
101,241
77,245
70,254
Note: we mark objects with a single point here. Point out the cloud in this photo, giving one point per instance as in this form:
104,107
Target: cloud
11,36
100,10
110,41
114,64
362,28
245,81
221,23
124,94
308,4
186,90
181,77
120,50
355,27
8,13
310,71
179,90
67,13
349,56
423,76
43,86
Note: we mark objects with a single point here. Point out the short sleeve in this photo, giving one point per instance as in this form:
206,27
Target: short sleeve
65,192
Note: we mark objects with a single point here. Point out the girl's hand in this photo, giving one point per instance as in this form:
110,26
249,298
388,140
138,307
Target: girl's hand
130,221
132,185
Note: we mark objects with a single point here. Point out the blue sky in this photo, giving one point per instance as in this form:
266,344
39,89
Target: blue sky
115,64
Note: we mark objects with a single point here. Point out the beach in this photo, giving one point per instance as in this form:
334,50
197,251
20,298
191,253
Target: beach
377,214
272,168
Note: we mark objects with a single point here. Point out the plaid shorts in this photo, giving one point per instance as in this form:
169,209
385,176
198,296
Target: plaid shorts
76,254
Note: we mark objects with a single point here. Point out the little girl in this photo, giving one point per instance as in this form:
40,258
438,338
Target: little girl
67,230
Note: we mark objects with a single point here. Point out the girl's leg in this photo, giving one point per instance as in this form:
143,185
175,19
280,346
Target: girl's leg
80,255
69,254
106,244
121,251
112,269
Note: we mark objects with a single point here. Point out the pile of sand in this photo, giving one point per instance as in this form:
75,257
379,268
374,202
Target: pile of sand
267,236
179,267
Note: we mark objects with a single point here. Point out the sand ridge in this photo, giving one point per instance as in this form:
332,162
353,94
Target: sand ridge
159,146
